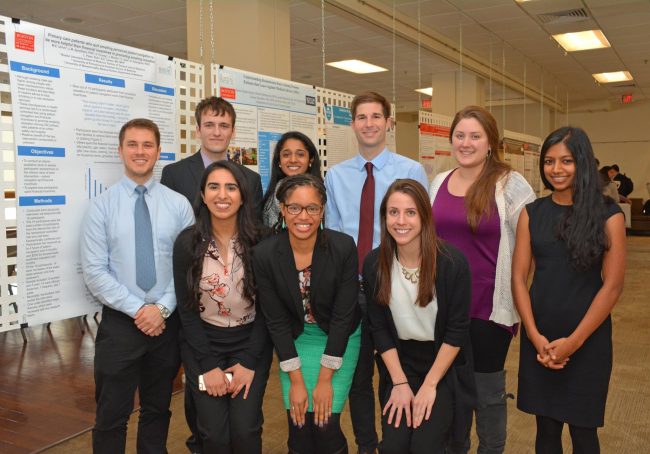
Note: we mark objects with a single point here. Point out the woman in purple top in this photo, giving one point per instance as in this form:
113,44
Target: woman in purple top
476,207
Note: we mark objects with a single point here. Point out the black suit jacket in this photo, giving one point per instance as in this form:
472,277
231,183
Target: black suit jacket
184,177
334,291
453,294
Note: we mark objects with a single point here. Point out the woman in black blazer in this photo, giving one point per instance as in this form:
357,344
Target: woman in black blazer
224,343
307,288
419,289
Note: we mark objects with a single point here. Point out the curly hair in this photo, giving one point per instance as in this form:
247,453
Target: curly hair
290,184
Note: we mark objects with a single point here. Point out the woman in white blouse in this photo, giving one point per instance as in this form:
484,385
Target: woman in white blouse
419,289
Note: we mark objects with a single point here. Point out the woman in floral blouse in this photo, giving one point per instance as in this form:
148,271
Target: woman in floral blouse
224,342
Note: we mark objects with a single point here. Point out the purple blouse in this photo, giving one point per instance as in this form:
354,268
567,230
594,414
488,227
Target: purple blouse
480,248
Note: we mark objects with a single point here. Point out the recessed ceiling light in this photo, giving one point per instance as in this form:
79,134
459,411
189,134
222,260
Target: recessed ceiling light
617,76
590,39
357,66
425,91
72,20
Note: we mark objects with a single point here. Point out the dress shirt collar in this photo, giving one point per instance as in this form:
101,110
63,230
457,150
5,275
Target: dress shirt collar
378,162
130,185
206,159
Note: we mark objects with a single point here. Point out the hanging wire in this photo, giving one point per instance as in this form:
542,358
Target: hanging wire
211,33
556,112
420,60
394,66
459,93
567,107
201,30
503,87
541,105
322,36
524,96
490,76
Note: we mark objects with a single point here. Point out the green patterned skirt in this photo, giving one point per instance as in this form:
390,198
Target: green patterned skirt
310,346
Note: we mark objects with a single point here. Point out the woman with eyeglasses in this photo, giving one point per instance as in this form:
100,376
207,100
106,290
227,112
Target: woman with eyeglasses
294,154
307,288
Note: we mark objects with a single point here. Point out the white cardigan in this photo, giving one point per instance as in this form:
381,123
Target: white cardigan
512,193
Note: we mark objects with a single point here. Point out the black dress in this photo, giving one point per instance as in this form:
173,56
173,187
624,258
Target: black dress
560,297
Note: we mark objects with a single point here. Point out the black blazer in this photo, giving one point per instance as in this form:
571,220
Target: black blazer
334,291
200,334
453,294
184,177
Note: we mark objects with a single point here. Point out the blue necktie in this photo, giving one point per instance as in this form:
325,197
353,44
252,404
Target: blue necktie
145,262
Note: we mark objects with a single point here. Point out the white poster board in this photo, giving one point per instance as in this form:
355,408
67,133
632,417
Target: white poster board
522,152
70,95
341,141
266,108
435,148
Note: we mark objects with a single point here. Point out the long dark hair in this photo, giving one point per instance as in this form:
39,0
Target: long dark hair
248,234
289,184
583,227
276,172
480,195
429,245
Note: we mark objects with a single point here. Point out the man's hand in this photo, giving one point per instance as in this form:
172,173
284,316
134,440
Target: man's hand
149,320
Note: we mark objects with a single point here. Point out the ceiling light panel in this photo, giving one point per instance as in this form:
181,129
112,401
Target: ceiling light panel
590,39
357,66
425,91
617,76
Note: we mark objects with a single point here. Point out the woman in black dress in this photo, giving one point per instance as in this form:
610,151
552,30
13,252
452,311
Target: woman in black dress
576,238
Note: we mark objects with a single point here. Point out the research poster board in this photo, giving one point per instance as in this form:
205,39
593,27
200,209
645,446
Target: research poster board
435,150
70,96
266,108
341,141
522,153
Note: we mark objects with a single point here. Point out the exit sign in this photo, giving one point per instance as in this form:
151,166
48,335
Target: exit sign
626,99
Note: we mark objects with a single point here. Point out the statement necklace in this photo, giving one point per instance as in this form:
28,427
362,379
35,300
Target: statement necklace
411,276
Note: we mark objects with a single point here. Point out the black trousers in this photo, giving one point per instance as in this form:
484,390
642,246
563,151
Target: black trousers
311,439
225,425
362,395
126,360
431,436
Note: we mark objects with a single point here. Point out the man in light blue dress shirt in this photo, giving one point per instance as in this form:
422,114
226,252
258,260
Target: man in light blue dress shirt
344,182
137,339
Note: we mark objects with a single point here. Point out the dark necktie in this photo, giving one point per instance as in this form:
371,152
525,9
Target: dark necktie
145,262
366,216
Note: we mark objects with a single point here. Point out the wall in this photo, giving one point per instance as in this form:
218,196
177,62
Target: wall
527,121
408,141
621,137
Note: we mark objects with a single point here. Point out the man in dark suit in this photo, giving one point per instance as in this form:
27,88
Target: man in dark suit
215,127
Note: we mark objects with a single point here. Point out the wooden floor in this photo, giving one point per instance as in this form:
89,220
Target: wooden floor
46,385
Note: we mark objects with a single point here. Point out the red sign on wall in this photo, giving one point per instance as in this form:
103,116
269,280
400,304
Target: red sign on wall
24,41
228,93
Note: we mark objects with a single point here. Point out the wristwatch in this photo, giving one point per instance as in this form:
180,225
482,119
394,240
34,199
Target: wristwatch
163,311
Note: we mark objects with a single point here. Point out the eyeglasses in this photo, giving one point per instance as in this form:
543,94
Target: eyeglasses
312,210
